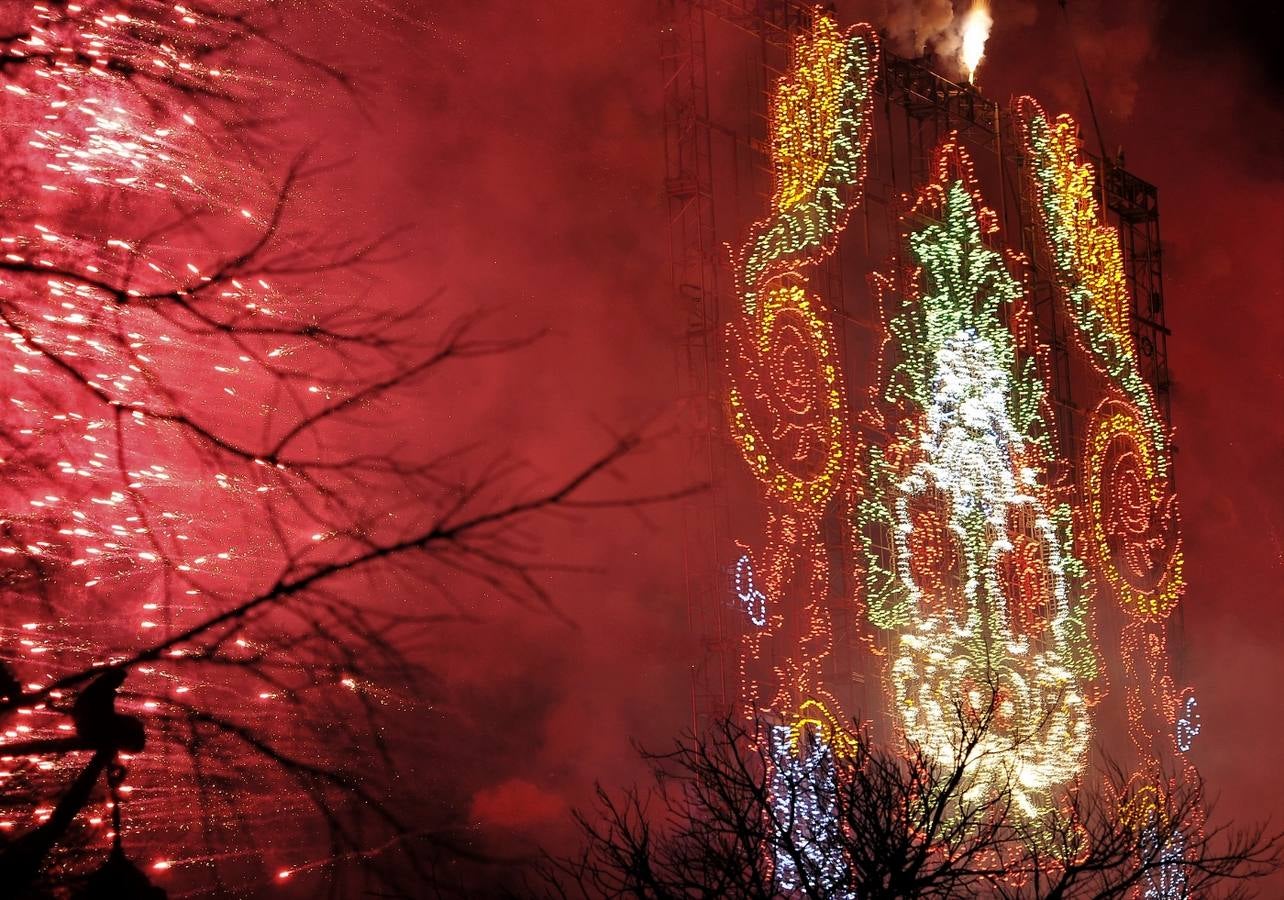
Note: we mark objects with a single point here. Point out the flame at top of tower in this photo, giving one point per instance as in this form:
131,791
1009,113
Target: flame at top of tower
975,32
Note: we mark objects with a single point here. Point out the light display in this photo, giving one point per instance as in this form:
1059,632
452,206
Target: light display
752,600
1188,726
819,131
1087,259
1167,880
788,415
1133,513
1134,538
968,549
803,786
984,559
788,411
1139,811
1134,517
791,373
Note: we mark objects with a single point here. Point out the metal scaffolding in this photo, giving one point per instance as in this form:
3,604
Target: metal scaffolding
720,60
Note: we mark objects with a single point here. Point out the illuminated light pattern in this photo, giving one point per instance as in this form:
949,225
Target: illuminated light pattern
1139,812
1167,881
804,785
970,555
1188,725
1133,513
1162,724
1154,704
1134,535
788,415
787,409
1088,261
752,600
791,382
968,549
820,127
815,718
796,638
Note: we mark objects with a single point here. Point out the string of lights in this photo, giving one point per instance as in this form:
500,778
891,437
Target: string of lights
1088,262
804,784
789,415
1133,513
1134,527
820,128
968,548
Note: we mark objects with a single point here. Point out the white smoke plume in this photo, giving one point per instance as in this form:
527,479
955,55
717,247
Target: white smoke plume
936,27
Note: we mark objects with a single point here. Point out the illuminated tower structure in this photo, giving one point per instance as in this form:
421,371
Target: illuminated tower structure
818,185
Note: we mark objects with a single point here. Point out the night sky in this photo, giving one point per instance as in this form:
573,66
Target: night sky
523,143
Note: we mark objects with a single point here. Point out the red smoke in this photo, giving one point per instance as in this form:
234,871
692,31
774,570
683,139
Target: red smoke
526,142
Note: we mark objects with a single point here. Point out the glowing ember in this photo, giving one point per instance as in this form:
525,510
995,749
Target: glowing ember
976,31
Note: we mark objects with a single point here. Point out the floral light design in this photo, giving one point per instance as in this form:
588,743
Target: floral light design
963,484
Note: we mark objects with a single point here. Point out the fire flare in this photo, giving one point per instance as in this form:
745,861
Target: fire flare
975,32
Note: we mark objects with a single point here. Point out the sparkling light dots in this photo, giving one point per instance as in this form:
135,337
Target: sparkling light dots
1134,538
984,559
789,417
976,562
819,131
976,578
1133,513
142,357
1088,260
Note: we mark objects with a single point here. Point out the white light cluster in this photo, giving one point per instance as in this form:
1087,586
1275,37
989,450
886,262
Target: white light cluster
804,785
1188,726
971,455
970,450
1167,880
752,600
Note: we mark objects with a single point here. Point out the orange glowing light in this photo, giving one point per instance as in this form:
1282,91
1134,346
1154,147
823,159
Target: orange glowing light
975,32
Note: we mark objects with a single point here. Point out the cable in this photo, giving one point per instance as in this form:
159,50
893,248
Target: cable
1083,76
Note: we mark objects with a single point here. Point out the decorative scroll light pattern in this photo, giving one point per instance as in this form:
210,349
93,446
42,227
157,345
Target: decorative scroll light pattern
1133,513
1134,531
962,489
1087,260
819,131
788,412
1162,720
788,415
790,379
819,721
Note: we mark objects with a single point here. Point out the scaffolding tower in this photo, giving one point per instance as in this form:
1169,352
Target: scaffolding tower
720,61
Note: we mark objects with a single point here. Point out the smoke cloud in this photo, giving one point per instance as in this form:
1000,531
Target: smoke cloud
528,138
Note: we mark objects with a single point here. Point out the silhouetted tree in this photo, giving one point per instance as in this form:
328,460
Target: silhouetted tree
214,551
733,813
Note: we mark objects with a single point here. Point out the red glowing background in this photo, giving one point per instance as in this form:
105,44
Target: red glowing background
522,145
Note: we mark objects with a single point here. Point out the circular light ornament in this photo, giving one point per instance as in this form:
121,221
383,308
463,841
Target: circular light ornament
1134,523
786,399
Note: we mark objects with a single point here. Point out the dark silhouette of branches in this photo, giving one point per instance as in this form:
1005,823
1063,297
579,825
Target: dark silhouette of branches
730,816
197,437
